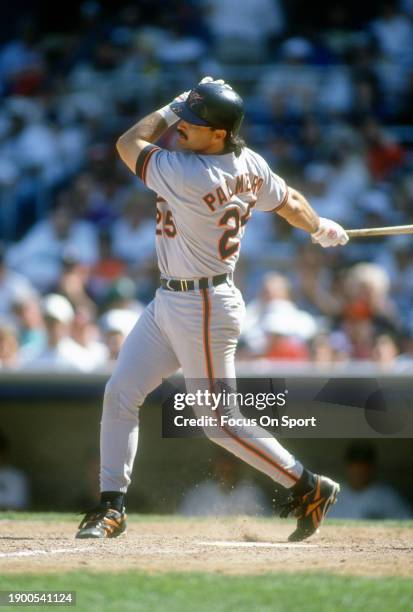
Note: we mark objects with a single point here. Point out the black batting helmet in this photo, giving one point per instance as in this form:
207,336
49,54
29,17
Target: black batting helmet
213,105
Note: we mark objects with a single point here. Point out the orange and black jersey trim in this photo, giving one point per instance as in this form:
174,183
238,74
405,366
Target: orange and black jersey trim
143,160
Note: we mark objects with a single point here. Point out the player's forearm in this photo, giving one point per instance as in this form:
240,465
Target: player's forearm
298,212
150,129
147,130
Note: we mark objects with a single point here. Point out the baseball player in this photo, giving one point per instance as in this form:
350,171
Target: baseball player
206,193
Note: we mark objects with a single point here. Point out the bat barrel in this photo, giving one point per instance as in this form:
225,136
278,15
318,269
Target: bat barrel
394,230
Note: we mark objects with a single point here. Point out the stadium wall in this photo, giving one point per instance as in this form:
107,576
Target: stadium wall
53,427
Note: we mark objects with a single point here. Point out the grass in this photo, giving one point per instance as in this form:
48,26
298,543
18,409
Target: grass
211,592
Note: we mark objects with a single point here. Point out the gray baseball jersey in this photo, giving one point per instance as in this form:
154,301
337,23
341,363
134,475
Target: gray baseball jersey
204,203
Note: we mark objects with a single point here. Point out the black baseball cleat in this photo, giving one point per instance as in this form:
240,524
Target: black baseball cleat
310,509
102,521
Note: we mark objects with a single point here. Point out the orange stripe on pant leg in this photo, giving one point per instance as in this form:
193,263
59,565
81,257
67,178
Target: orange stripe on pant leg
206,311
206,314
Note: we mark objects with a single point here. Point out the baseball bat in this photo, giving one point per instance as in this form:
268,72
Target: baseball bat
394,230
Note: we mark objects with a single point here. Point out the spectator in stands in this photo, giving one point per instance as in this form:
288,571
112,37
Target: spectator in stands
106,271
9,347
385,352
133,233
86,333
368,309
39,253
293,82
121,295
14,488
394,33
362,497
284,336
397,261
116,325
33,146
241,30
320,189
225,493
316,284
321,351
81,189
360,334
375,207
13,286
108,196
180,49
61,352
299,86
274,326
329,349
30,324
349,174
73,280
367,298
20,57
385,155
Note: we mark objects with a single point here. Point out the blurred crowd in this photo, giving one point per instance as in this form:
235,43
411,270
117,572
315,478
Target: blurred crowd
329,106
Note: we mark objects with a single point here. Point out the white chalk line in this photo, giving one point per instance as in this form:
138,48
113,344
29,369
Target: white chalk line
161,551
34,553
235,544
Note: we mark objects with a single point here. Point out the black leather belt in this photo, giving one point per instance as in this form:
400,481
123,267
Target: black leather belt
199,283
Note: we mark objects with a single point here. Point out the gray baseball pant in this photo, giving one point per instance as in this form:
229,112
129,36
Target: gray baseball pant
197,330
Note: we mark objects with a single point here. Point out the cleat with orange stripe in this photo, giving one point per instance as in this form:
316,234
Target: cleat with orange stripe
102,522
311,509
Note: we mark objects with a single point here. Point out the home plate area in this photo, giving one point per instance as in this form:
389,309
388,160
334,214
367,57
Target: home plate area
231,545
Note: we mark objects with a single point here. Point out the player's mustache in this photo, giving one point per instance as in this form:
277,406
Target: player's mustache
181,133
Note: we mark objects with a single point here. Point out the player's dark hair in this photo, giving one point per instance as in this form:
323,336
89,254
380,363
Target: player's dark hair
234,144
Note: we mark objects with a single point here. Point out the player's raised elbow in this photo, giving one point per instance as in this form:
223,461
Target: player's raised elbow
127,151
121,145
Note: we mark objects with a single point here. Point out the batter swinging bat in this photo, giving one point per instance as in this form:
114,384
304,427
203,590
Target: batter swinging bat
394,230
